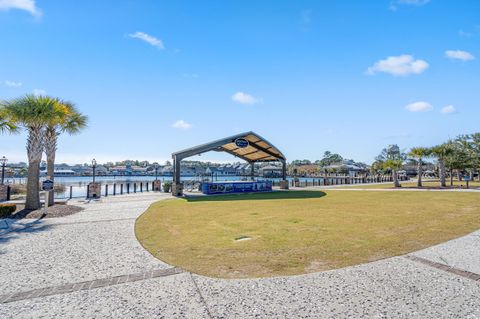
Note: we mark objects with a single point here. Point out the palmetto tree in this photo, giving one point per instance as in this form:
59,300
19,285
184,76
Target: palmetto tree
393,165
442,152
31,113
419,153
391,158
67,119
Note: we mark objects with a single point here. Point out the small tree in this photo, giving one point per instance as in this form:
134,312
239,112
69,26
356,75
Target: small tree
392,160
419,153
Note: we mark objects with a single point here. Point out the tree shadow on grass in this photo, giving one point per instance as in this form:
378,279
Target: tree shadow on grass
256,196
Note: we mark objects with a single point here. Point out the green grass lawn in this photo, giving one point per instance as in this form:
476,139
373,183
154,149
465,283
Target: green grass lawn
413,184
301,231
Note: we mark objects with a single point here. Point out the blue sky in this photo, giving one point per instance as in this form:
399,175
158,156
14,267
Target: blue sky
158,76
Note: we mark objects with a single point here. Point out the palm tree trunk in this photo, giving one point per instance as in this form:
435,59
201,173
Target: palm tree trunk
34,152
451,177
420,173
395,178
443,173
50,151
33,192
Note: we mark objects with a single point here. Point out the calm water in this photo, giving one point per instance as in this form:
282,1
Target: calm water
79,184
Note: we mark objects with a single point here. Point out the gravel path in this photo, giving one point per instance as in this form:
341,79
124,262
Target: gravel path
98,246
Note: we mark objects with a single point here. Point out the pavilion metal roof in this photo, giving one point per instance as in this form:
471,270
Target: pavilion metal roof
258,149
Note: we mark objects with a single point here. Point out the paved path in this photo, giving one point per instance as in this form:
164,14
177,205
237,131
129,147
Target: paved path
90,265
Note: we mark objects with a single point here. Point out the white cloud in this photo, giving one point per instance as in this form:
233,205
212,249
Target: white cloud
448,109
459,55
419,107
26,5
39,92
401,65
181,124
394,3
148,38
13,84
244,98
413,2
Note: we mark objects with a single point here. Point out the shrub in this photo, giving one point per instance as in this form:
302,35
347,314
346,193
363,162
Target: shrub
7,209
167,186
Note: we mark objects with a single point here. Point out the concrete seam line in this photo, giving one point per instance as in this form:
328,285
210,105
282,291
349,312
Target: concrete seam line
445,268
202,299
87,285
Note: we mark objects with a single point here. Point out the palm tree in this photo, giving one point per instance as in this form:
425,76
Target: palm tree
68,120
5,125
441,152
31,113
418,153
393,165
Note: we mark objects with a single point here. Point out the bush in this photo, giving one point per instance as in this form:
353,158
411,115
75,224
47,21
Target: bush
7,209
167,186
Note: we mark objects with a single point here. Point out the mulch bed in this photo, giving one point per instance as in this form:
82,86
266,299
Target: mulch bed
50,212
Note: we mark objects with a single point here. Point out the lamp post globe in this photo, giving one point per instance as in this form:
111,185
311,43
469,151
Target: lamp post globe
3,162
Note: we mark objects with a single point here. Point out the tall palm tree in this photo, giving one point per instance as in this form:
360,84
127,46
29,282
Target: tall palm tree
419,153
32,113
68,119
393,165
441,152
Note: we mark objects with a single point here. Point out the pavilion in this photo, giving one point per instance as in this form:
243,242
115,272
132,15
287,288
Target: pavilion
248,146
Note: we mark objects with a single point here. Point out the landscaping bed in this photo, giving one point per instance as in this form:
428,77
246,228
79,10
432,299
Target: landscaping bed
49,212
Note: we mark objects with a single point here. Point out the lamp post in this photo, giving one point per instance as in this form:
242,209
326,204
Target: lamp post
156,171
3,161
94,166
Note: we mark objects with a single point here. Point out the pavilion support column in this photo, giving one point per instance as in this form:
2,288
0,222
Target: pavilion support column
284,182
252,170
177,186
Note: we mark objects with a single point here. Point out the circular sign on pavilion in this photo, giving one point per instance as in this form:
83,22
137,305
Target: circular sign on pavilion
241,143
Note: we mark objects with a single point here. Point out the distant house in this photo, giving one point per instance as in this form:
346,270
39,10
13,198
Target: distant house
271,171
59,173
126,170
346,167
166,171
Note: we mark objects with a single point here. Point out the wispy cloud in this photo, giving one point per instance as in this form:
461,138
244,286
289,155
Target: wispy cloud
148,39
401,65
305,19
418,3
39,92
182,125
449,109
13,84
459,55
419,107
244,98
26,5
465,34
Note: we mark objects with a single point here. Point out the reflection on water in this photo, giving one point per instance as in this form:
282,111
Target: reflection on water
76,186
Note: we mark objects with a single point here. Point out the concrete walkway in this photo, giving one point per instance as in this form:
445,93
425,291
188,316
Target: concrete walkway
90,265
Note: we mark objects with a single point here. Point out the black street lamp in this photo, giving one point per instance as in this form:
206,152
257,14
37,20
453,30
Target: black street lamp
156,171
3,161
94,165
